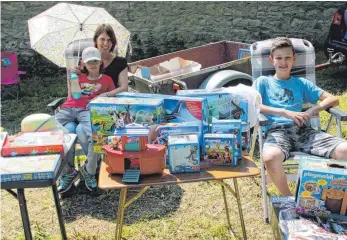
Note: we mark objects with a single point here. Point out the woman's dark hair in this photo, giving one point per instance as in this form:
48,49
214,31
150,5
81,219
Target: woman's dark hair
105,28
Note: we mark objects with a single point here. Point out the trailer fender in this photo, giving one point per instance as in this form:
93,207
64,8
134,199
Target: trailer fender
226,78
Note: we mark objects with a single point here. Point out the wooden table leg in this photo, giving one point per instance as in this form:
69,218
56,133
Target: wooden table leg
120,213
237,193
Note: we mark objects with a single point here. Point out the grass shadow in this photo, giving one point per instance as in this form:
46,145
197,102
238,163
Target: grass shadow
157,202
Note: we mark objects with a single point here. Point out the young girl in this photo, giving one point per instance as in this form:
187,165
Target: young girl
93,84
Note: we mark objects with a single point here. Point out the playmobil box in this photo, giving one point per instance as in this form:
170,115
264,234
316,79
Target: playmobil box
230,127
183,153
26,168
221,104
108,114
322,189
179,109
246,136
162,132
219,149
33,143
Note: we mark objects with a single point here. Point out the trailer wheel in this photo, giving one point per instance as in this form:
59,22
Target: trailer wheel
226,78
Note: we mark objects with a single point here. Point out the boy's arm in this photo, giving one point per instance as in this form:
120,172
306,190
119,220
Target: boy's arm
298,117
327,100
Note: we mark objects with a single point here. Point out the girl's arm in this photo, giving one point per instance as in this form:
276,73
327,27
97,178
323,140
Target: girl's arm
123,84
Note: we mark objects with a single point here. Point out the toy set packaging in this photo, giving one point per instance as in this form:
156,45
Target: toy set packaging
184,153
25,168
220,149
33,143
322,188
221,104
230,127
179,109
246,136
108,114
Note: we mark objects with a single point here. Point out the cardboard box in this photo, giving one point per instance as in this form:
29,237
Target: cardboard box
180,109
184,153
33,143
221,104
219,149
107,114
26,168
322,188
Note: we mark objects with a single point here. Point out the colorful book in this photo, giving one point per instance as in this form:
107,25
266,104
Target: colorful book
33,143
26,168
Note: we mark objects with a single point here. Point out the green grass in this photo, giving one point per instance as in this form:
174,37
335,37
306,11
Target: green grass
186,211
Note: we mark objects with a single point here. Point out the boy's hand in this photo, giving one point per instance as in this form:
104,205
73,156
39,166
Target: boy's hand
298,117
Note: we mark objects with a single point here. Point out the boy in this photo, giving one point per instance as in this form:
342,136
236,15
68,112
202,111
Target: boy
282,96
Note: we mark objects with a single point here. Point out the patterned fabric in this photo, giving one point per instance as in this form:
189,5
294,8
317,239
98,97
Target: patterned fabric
304,139
52,30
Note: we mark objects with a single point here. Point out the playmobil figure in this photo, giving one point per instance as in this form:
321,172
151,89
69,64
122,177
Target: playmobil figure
282,97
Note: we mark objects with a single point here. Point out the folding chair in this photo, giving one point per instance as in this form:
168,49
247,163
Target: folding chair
304,67
10,74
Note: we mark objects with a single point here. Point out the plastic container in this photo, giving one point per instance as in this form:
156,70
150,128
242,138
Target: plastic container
75,86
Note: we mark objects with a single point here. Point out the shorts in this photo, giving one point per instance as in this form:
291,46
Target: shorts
305,139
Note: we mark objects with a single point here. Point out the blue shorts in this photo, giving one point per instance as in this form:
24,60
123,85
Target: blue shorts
290,138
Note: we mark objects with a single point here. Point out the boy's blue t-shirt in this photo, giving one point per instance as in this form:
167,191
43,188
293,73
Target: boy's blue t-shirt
287,94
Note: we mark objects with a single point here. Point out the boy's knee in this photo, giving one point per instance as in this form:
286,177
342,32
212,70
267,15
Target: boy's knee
340,152
272,154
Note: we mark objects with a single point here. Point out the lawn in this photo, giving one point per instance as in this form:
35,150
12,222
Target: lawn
186,211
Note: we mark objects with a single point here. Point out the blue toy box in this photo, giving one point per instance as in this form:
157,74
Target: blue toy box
322,188
221,104
164,130
246,136
219,149
179,109
109,113
184,153
230,127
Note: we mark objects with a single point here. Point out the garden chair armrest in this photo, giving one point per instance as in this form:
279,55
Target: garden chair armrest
338,113
263,121
55,104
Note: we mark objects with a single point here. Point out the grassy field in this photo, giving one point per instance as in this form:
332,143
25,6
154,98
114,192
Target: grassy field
186,211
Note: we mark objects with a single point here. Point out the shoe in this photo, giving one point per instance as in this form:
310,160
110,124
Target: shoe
67,180
89,179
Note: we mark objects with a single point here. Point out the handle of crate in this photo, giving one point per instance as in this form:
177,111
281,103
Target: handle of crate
337,165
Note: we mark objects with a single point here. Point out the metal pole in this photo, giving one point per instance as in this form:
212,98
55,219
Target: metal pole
24,214
59,212
120,213
240,209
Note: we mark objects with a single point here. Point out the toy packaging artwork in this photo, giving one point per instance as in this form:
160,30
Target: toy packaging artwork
108,114
179,109
322,188
184,153
221,104
25,168
230,127
246,136
220,149
33,143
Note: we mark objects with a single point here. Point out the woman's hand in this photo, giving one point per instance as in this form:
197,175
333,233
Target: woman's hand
103,95
298,117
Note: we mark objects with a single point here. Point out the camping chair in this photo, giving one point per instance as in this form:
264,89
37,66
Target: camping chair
10,74
303,67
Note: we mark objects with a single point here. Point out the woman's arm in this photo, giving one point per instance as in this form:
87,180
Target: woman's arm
122,82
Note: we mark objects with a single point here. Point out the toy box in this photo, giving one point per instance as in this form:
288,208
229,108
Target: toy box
179,109
230,127
184,153
107,114
33,143
221,104
24,168
219,149
246,136
322,188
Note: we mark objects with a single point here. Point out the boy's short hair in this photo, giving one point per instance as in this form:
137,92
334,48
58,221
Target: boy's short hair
281,42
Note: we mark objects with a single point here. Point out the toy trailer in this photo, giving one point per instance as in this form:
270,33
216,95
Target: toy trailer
223,63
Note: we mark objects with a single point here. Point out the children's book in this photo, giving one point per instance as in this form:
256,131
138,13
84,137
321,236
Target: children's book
33,143
26,168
